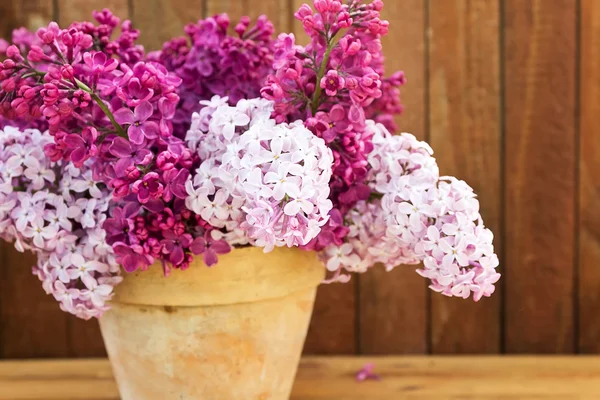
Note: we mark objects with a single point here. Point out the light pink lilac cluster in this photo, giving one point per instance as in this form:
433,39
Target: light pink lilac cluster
212,61
259,182
417,216
56,211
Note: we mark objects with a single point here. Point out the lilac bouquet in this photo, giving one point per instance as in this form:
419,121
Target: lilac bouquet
112,157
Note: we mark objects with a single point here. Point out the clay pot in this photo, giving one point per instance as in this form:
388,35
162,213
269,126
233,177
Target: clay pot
231,332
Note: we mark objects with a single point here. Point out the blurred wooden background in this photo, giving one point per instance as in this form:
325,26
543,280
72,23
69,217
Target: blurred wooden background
508,94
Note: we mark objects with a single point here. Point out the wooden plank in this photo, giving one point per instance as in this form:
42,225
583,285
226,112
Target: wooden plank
161,20
278,11
7,24
32,324
392,311
83,337
333,325
32,14
325,378
540,134
81,10
589,179
465,132
7,18
57,380
438,378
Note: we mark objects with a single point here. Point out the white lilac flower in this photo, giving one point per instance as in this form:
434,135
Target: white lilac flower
418,217
259,182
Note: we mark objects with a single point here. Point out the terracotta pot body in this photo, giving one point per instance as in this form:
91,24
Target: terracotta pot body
231,332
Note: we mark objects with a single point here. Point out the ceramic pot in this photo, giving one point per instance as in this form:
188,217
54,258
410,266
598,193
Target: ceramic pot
231,332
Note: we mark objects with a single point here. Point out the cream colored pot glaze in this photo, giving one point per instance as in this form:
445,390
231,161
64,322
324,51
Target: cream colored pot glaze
231,332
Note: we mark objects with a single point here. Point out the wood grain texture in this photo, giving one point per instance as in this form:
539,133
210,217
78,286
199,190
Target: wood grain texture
31,322
392,306
589,179
81,10
465,133
32,325
540,122
161,20
32,14
83,337
322,378
7,18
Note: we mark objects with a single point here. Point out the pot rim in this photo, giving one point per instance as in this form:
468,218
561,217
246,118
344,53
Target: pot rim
244,275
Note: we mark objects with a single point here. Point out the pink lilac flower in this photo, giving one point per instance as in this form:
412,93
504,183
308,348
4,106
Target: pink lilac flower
366,373
149,187
277,174
416,217
56,222
102,101
332,82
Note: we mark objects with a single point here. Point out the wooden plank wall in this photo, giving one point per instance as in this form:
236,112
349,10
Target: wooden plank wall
508,93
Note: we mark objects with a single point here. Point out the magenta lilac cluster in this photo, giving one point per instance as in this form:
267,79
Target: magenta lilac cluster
212,61
100,99
222,140
335,84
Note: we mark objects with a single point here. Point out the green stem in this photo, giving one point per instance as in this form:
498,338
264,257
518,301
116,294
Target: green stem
34,73
320,74
120,131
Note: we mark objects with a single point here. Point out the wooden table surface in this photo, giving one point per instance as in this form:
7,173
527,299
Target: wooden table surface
332,378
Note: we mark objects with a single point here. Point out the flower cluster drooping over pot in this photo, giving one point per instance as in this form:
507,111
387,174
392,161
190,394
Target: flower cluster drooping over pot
56,210
224,138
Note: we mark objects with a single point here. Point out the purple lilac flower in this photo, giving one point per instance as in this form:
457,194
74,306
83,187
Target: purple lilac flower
82,146
132,257
149,187
120,227
175,183
140,128
129,154
174,245
209,248
212,62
